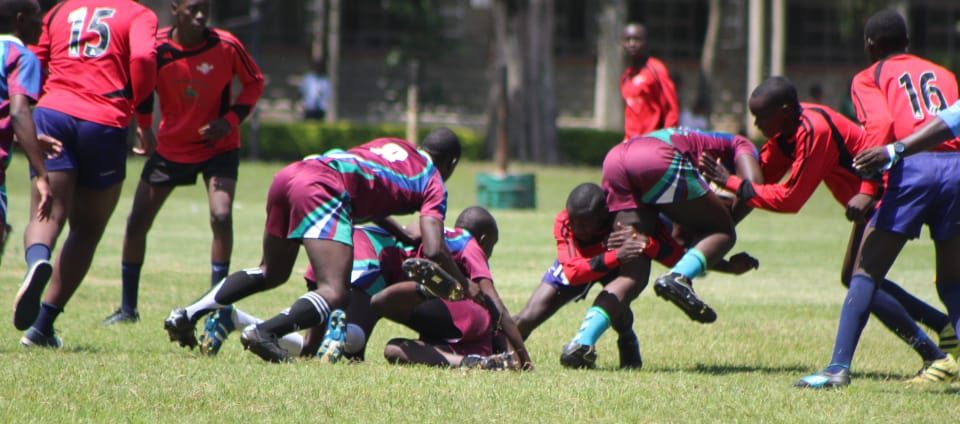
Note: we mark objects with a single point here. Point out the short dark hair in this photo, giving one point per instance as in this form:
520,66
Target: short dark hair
586,199
441,143
776,90
478,221
10,8
888,31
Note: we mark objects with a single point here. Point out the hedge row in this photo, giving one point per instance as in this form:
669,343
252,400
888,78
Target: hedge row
291,141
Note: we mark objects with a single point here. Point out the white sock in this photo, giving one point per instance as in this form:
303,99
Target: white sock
206,302
243,319
292,343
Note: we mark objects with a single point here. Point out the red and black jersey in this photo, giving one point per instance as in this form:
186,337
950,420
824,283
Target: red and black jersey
899,94
650,99
99,59
194,87
821,149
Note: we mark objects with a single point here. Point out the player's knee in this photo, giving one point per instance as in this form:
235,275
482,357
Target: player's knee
138,223
393,351
221,220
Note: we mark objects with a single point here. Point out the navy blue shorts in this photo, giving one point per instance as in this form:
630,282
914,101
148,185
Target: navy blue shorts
922,189
97,153
555,277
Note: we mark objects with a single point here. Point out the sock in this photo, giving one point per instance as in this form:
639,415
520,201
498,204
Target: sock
853,317
624,328
292,343
218,271
130,278
235,287
893,315
950,296
919,310
48,314
691,265
309,310
594,324
36,252
243,319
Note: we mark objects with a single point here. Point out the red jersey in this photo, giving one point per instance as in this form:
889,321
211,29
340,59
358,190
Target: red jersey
99,59
194,86
584,264
899,94
650,97
821,149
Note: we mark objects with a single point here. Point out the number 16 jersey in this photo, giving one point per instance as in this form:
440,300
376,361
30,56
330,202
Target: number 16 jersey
899,94
99,58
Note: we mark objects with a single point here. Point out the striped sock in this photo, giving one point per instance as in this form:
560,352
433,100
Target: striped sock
309,310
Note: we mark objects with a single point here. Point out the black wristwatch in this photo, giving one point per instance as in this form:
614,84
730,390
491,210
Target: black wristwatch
899,148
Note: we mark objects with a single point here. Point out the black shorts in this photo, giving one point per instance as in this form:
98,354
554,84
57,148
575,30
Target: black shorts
159,171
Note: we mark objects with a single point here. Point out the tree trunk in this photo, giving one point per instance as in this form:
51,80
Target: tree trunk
333,60
708,56
413,101
318,30
607,102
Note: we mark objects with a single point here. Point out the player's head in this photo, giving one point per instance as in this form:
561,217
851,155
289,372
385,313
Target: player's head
22,18
588,213
481,224
190,14
635,40
775,106
885,33
443,146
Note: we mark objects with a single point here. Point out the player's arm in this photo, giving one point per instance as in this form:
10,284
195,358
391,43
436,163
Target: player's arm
22,119
146,138
944,128
143,55
747,167
506,322
247,71
870,103
434,248
408,236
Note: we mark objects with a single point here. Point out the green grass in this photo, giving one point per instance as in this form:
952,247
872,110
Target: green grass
776,324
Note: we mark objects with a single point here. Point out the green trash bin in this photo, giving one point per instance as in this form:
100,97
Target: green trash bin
510,191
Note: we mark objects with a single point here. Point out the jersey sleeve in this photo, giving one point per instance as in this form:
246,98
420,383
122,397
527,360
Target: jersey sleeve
247,71
25,78
578,269
143,55
870,103
813,160
773,162
434,198
743,146
951,117
474,262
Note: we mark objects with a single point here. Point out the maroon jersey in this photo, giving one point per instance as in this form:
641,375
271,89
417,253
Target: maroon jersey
194,86
388,176
99,59
898,94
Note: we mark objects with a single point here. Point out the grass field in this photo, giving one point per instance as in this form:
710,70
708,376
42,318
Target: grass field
775,325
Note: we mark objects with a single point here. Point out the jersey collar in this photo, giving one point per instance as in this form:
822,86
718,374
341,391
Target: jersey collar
11,38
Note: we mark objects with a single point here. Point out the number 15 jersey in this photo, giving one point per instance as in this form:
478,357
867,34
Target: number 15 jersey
900,93
99,59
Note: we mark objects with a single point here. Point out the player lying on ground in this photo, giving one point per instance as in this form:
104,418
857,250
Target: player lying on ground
590,251
314,203
642,177
199,133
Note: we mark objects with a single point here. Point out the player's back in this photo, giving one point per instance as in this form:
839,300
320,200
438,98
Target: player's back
915,90
388,176
87,47
691,143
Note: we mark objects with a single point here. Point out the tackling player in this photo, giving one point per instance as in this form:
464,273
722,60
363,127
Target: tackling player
199,133
648,92
313,203
100,61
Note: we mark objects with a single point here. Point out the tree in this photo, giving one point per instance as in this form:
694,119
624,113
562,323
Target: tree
607,102
523,77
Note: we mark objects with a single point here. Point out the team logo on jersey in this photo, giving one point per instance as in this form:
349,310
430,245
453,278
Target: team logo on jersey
204,68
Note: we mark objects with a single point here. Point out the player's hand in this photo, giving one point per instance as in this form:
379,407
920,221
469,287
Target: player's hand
46,197
859,206
50,146
216,129
620,234
146,142
632,248
872,161
741,263
713,170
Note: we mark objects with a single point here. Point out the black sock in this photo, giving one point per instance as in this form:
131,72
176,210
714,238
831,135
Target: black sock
48,314
239,285
218,271
309,310
130,278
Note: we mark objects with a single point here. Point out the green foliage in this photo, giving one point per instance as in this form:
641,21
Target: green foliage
292,141
585,145
420,31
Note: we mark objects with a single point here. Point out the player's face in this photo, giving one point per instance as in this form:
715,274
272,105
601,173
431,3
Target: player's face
192,13
590,229
767,118
487,244
635,40
29,25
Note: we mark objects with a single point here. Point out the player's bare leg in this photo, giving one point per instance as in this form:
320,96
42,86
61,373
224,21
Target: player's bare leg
545,301
220,194
397,301
406,351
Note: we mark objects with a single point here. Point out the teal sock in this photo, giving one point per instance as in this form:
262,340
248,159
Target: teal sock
691,265
594,324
